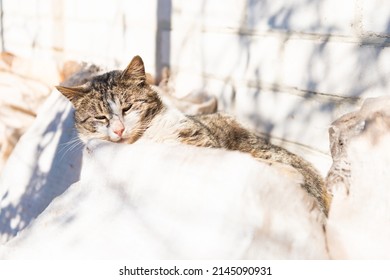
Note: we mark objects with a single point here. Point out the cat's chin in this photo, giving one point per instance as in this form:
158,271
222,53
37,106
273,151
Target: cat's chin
123,140
115,139
92,144
118,140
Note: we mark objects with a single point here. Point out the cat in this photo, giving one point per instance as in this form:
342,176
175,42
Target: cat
121,106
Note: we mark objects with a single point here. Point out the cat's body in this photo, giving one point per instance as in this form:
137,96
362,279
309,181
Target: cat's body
120,106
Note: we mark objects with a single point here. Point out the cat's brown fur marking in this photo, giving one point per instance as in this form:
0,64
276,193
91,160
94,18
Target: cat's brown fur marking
125,97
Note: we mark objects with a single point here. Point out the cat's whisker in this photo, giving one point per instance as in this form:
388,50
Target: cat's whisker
67,149
70,146
71,141
66,145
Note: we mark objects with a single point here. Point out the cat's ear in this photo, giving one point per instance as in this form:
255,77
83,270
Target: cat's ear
72,93
135,71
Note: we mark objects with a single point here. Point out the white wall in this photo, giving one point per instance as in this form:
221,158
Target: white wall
288,67
105,32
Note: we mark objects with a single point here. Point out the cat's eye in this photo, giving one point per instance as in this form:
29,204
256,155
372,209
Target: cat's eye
101,118
127,108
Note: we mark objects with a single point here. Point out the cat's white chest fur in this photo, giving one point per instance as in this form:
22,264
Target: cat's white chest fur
165,126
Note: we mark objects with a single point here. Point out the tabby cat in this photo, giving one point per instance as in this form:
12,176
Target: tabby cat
121,106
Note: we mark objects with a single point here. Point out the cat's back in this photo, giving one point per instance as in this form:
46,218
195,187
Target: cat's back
222,129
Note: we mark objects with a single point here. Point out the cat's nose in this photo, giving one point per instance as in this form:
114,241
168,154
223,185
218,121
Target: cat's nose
119,131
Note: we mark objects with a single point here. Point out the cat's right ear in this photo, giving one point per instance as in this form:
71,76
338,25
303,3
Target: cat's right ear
135,71
72,93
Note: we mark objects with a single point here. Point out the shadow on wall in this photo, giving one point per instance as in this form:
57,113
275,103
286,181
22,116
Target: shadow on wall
291,70
57,146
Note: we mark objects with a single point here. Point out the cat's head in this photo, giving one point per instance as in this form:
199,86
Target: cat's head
116,106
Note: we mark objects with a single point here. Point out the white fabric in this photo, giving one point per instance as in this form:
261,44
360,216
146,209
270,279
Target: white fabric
148,200
43,165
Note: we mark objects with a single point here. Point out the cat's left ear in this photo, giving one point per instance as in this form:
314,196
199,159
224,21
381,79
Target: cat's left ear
72,93
135,71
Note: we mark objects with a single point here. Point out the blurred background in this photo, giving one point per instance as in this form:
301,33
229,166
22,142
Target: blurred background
286,67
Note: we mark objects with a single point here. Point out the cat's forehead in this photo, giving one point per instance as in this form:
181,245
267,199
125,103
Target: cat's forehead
108,86
105,81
